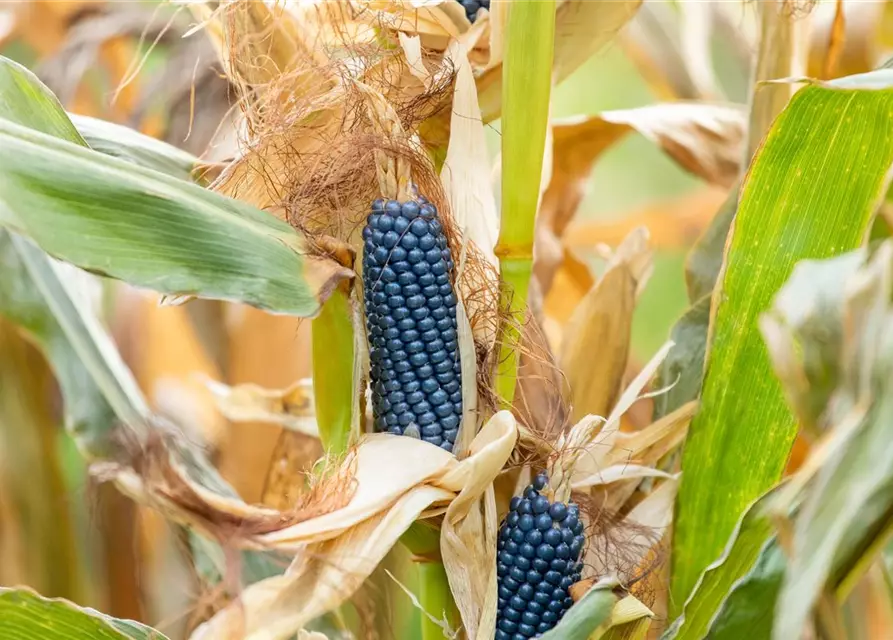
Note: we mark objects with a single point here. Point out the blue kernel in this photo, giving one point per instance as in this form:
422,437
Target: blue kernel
426,324
373,219
390,240
380,423
416,346
549,617
447,445
387,274
567,536
534,537
531,494
445,377
451,423
406,419
530,619
576,546
409,210
443,365
394,345
420,313
422,407
410,335
435,440
558,511
450,434
401,224
415,397
431,430
400,313
445,323
431,386
430,290
434,345
427,242
507,626
504,592
409,241
432,255
392,419
436,302
445,254
556,606
563,551
542,627
438,397
512,518
442,278
391,333
397,431
525,522
545,552
526,630
428,211
524,507
384,223
558,565
378,204
422,268
541,598
517,603
419,227
415,256
392,206
449,300
566,582
517,574
502,635
411,290
443,410
526,591
379,297
439,313
401,267
540,565
436,227
553,577
543,522
399,355
533,607
426,418
377,235
438,269
577,528
397,255
380,254
405,279
511,547
400,407
409,387
453,387
425,371
546,588
541,505
568,602
418,359
456,398
534,577
427,280
522,563
414,302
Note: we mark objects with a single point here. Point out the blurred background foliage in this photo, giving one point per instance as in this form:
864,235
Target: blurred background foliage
128,63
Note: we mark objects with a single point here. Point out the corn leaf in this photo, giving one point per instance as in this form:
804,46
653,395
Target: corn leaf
811,192
681,373
24,615
112,217
587,615
128,144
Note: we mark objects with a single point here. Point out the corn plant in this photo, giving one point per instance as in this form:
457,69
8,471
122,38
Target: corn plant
469,391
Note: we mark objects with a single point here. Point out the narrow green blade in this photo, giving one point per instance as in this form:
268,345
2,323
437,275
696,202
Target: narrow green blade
811,192
24,615
588,614
117,218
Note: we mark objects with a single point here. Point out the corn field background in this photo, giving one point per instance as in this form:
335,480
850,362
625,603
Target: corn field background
663,241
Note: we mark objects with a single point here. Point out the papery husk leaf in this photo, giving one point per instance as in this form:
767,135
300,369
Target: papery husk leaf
339,547
468,364
601,325
437,24
291,408
624,623
466,170
705,139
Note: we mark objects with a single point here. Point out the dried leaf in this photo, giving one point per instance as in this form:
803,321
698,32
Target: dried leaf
291,408
337,548
601,325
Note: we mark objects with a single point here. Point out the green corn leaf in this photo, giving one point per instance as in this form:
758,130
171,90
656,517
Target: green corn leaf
811,192
587,615
135,147
115,218
24,615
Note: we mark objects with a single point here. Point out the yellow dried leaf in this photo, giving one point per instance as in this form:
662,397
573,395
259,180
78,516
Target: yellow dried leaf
291,408
595,343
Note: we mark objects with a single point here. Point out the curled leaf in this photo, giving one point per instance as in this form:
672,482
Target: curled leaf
291,408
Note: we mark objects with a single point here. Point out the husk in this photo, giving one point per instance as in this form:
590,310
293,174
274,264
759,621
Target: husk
337,548
291,408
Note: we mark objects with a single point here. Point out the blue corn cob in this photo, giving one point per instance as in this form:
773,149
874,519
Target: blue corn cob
411,322
538,559
472,6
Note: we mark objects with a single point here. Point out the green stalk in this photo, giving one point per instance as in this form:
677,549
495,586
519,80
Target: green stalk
435,597
527,84
332,334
